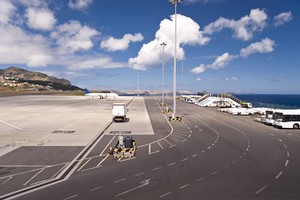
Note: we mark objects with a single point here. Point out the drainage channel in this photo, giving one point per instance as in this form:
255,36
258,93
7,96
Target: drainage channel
66,173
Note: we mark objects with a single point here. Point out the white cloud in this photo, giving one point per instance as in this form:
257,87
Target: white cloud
188,33
20,47
222,61
264,46
103,62
79,4
72,37
34,3
231,79
198,70
198,79
40,19
200,1
113,44
243,28
7,10
282,18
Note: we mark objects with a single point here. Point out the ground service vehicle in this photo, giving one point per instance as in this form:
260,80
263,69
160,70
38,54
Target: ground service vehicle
119,112
287,119
125,148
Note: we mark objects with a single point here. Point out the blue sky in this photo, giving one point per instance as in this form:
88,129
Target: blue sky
236,46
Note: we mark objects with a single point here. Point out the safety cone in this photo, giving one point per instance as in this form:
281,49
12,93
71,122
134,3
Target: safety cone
110,151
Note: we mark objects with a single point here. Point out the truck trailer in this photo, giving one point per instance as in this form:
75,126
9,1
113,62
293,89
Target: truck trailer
119,112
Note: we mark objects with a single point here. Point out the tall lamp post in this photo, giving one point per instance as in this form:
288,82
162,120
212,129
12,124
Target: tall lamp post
175,2
163,74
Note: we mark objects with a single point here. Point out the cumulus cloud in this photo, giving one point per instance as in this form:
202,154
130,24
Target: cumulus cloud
7,10
264,46
222,61
73,36
150,53
19,47
103,62
198,70
282,18
79,4
40,19
243,28
231,79
113,44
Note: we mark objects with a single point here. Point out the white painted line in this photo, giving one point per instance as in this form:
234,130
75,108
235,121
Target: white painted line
34,176
279,139
183,140
120,180
84,164
200,179
173,163
139,174
107,145
127,159
102,160
209,147
279,174
203,151
71,197
261,189
184,186
154,152
286,163
215,172
149,148
7,180
194,155
168,142
160,145
157,168
285,146
166,194
172,146
288,154
185,159
11,125
88,169
191,131
189,135
94,189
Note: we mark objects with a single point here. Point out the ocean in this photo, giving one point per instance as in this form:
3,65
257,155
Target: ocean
291,101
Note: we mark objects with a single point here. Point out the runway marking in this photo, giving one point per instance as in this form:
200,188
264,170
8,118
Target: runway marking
7,180
157,168
261,189
279,139
149,148
34,176
183,140
184,186
139,174
166,194
185,159
160,145
88,169
172,146
120,180
11,125
200,179
154,152
142,184
215,172
107,145
194,155
71,197
173,163
84,164
127,159
94,189
288,154
286,163
168,142
102,160
203,151
279,174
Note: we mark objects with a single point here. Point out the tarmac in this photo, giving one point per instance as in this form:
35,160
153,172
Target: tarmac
69,121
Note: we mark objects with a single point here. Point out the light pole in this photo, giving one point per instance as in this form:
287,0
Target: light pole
163,74
175,2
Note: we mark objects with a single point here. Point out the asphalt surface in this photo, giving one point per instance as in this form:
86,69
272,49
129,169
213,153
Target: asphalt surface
207,155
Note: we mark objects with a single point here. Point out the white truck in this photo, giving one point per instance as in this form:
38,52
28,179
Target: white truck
119,112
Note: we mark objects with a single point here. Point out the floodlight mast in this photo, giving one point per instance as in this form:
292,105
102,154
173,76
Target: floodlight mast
163,74
175,2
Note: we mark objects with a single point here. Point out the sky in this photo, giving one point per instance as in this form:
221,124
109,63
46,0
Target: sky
249,46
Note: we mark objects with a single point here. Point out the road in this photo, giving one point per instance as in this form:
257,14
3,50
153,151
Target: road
208,155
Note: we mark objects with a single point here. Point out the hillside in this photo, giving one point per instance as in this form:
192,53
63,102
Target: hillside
14,78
